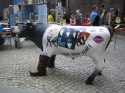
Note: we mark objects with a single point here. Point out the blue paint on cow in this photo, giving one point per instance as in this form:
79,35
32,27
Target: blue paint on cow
68,38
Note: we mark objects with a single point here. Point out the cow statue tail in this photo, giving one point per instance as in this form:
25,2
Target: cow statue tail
111,35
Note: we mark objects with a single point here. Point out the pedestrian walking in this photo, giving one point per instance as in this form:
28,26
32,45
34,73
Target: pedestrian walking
67,16
78,17
72,20
50,18
94,16
86,21
102,13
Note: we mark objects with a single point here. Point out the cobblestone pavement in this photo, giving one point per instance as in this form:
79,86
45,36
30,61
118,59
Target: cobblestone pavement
68,76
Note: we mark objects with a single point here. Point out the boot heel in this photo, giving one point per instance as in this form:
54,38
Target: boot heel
42,65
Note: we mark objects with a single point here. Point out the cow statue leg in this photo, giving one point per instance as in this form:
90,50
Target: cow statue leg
91,78
100,65
42,65
51,62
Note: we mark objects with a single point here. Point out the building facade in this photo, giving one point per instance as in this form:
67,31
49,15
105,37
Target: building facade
85,5
3,4
72,5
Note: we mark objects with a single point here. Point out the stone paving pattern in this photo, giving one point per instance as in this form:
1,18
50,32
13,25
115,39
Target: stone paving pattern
69,75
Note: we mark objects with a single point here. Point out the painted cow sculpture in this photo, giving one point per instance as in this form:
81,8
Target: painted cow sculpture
72,41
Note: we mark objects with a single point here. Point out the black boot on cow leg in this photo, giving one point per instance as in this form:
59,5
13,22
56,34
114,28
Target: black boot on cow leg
42,65
91,78
100,73
51,62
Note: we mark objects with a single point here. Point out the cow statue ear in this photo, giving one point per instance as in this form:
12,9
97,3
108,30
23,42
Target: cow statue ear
30,25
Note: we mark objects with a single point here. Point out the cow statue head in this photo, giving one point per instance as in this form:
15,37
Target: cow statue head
27,30
33,32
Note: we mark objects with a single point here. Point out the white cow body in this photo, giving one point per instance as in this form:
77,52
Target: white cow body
92,48
72,41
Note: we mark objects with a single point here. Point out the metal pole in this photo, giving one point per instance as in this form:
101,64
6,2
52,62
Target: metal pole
67,4
123,12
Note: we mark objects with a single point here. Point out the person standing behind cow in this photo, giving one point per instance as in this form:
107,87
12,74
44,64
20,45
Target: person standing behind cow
63,20
86,21
110,17
50,18
72,20
2,40
78,17
102,15
94,16
67,16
